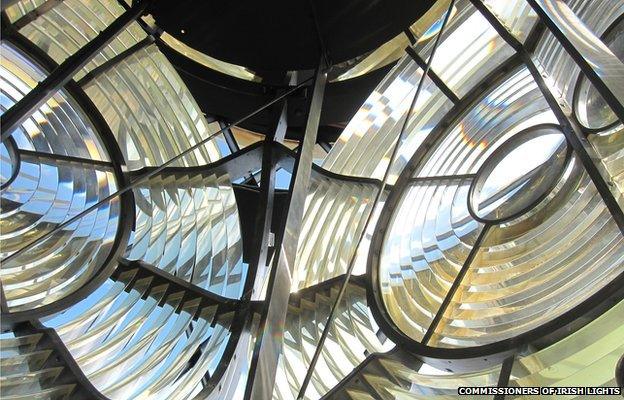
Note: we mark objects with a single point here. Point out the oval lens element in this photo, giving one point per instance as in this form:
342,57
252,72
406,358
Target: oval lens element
518,174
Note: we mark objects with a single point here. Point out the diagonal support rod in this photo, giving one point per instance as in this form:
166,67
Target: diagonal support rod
395,150
269,342
147,175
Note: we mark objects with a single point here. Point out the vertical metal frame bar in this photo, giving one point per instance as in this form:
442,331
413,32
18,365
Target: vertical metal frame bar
24,108
395,150
504,375
269,342
598,63
229,137
264,214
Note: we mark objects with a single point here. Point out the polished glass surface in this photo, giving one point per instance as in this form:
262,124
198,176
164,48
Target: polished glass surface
518,174
24,371
591,109
352,337
187,225
430,237
133,337
46,191
135,96
490,227
334,216
550,242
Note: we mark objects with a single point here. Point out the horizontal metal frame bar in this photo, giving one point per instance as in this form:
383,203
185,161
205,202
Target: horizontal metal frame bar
65,158
159,276
249,159
35,13
359,280
417,179
236,165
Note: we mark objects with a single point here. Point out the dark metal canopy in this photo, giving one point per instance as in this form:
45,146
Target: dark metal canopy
282,35
229,98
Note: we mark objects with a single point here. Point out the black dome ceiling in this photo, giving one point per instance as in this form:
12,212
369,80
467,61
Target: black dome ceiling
281,35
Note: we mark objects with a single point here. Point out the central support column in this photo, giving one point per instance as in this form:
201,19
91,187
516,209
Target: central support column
269,342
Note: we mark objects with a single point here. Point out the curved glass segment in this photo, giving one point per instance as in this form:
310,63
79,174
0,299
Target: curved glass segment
352,338
46,190
134,96
550,242
605,134
135,337
26,369
590,107
532,269
518,174
334,216
429,238
495,239
60,126
364,147
586,358
187,225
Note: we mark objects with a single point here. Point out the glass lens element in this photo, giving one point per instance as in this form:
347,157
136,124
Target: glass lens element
518,174
591,109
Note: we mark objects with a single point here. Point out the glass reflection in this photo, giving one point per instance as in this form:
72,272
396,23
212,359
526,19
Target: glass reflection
519,173
591,109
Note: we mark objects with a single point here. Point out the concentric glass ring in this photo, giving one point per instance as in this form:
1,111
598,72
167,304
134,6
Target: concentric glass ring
59,167
457,270
518,175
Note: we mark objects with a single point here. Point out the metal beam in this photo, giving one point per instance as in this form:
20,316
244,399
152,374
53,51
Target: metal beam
160,276
395,150
229,137
24,108
264,212
269,341
505,373
65,158
582,148
325,146
110,63
456,283
237,165
35,13
432,75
